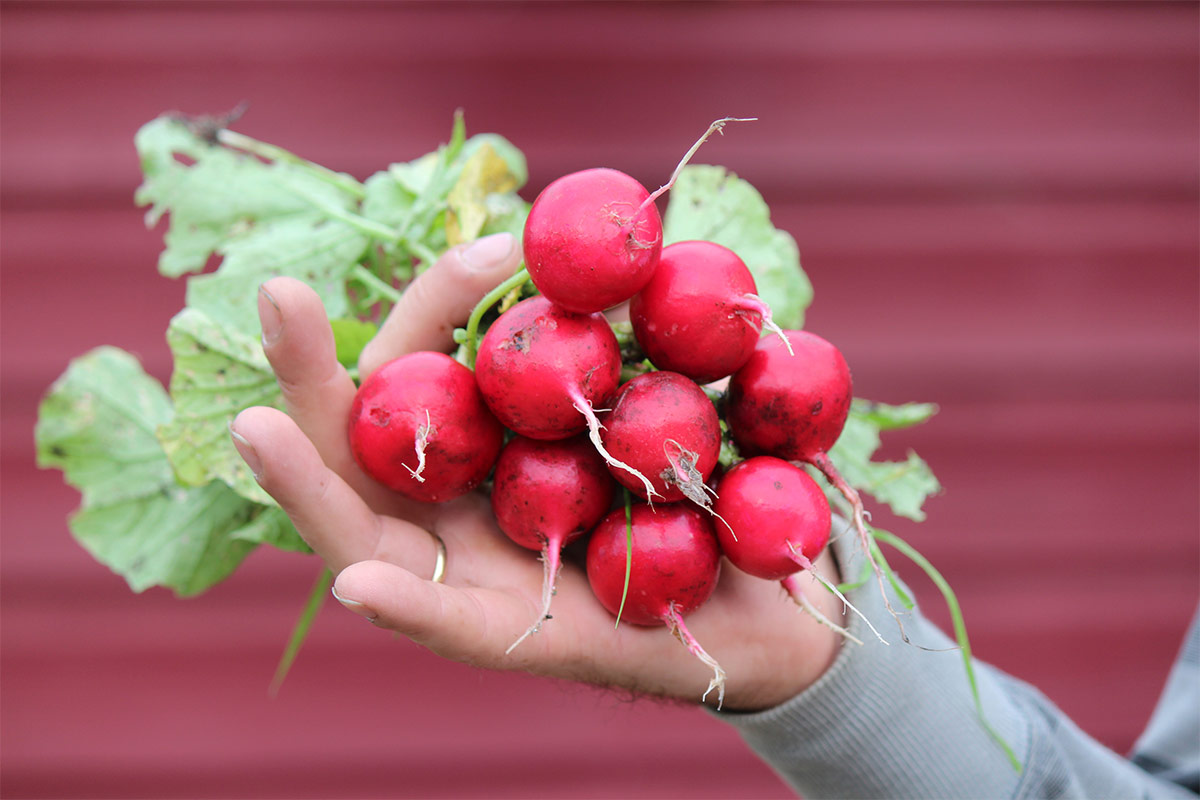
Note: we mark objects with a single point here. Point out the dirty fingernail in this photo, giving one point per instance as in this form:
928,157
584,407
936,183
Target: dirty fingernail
485,253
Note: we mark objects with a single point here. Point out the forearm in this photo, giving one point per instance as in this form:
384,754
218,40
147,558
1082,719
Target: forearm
899,721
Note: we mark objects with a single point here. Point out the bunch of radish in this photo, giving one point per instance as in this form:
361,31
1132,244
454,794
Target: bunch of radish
547,379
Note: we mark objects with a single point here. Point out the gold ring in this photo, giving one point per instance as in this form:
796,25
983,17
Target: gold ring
439,567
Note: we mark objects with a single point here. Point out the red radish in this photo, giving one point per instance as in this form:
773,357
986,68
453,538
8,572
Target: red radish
419,426
782,522
794,407
664,426
545,495
676,563
542,370
699,315
591,241
592,238
780,514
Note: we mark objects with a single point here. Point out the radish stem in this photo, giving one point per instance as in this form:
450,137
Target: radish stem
300,632
490,299
960,632
628,553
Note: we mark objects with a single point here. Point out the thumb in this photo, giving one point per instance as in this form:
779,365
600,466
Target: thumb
441,299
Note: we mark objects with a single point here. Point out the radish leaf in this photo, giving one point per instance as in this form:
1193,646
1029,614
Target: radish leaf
218,372
902,485
97,425
213,193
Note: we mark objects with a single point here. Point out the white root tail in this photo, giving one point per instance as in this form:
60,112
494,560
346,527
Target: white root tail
551,562
752,302
674,621
811,569
814,612
713,128
822,462
584,407
424,434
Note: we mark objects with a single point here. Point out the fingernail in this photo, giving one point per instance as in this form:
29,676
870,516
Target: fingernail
270,316
248,453
486,253
358,608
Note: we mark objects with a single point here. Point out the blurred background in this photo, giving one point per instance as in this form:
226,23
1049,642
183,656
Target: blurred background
997,205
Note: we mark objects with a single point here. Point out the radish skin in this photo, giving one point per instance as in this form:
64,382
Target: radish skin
546,495
699,315
676,565
543,370
666,428
591,240
794,405
424,409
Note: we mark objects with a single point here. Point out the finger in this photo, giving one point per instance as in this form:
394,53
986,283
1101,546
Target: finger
317,390
327,512
441,299
447,620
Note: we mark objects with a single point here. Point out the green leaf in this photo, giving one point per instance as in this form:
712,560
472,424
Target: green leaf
889,417
350,336
272,527
464,189
320,252
213,193
97,425
902,485
219,371
712,204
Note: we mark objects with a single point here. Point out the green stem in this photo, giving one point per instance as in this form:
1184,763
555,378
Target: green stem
489,300
300,632
367,227
960,632
375,283
273,153
628,552
419,250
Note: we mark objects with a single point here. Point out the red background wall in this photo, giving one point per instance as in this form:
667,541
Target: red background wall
997,205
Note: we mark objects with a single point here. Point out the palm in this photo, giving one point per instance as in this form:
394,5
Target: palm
379,544
493,590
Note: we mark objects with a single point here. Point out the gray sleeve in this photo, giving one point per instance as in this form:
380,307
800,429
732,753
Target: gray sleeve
895,721
1170,746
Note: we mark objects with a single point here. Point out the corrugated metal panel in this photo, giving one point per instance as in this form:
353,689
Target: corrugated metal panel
997,204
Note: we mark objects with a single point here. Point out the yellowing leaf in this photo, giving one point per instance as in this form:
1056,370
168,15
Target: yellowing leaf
485,173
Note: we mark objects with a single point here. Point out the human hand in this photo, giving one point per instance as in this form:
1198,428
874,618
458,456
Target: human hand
379,544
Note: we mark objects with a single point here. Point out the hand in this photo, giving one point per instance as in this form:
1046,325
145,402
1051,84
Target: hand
378,545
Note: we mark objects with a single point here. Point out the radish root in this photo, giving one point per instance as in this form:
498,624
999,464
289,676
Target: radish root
551,562
822,462
674,621
754,303
802,600
583,406
683,473
713,128
424,434
793,588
